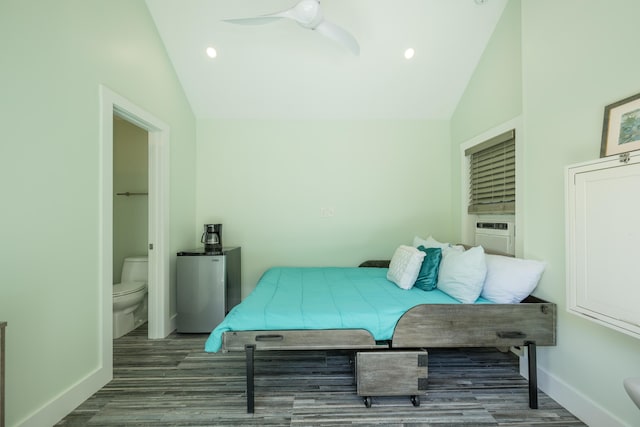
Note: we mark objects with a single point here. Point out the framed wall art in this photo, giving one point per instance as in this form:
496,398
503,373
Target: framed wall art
621,128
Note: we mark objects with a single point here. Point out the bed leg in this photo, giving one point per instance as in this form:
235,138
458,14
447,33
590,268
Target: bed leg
249,350
533,375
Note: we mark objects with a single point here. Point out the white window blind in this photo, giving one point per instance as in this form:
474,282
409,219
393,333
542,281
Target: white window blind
492,175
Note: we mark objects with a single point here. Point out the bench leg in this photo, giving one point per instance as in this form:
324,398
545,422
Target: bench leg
533,375
249,351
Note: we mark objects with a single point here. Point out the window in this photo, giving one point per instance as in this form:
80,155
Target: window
492,175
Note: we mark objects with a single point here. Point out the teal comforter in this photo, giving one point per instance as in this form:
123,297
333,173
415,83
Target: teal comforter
325,298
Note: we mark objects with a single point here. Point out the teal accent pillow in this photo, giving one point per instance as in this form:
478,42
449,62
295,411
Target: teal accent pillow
428,276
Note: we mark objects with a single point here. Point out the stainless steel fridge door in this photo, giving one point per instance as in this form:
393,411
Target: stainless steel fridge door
200,292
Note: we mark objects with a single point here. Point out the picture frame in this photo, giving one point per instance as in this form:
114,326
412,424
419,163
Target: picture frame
621,127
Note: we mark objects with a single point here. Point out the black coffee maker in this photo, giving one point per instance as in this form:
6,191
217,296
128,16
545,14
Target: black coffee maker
212,238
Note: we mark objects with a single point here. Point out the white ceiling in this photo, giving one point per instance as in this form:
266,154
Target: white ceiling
283,71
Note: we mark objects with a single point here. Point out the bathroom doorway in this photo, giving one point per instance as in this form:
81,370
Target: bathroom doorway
131,190
114,106
130,214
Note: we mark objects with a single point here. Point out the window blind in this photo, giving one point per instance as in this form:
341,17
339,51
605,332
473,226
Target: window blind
492,175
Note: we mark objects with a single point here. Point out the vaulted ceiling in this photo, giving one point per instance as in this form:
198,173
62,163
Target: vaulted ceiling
281,70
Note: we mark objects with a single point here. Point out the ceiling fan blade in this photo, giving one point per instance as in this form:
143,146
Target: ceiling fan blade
337,33
264,19
256,20
307,13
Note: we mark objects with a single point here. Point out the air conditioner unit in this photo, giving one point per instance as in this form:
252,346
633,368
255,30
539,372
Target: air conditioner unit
496,236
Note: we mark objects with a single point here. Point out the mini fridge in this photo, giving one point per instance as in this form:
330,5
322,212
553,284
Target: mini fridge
208,286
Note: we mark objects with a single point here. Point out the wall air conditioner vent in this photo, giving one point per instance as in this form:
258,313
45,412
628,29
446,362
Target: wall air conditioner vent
496,236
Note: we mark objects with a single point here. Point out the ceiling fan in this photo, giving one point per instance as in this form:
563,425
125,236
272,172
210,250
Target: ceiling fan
307,13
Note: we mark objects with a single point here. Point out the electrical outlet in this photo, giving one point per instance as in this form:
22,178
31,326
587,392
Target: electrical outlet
327,212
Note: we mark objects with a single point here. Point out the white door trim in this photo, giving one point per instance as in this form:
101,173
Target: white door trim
159,321
159,256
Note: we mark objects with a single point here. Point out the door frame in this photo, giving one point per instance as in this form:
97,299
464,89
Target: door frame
159,321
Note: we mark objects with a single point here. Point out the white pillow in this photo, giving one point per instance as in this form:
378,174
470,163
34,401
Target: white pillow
430,242
510,280
405,266
462,274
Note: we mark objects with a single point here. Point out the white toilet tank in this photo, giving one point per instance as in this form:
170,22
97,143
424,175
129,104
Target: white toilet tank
134,269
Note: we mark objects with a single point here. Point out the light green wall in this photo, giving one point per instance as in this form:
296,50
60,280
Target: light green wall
492,97
494,92
54,56
576,58
267,181
130,174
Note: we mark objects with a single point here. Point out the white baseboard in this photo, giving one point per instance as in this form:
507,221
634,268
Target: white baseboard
60,406
63,404
173,323
571,399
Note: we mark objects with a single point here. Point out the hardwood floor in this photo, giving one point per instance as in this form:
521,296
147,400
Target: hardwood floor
173,382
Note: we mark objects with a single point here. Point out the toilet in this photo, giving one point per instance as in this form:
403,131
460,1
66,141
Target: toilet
130,296
632,386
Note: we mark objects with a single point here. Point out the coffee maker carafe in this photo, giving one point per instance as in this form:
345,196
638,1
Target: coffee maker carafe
212,238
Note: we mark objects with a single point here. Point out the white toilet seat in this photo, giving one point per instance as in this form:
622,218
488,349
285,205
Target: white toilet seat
127,288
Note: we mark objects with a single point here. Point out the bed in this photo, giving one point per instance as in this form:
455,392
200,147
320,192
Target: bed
360,309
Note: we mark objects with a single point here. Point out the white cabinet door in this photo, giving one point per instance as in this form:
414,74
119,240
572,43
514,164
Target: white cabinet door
603,242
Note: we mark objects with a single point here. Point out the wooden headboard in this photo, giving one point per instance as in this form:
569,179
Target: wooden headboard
384,263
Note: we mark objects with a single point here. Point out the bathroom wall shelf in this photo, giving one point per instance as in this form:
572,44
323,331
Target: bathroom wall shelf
131,194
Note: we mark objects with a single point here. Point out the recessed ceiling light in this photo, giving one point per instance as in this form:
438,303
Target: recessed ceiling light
409,53
211,52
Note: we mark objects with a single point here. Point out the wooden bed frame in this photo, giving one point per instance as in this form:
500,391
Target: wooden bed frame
530,323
